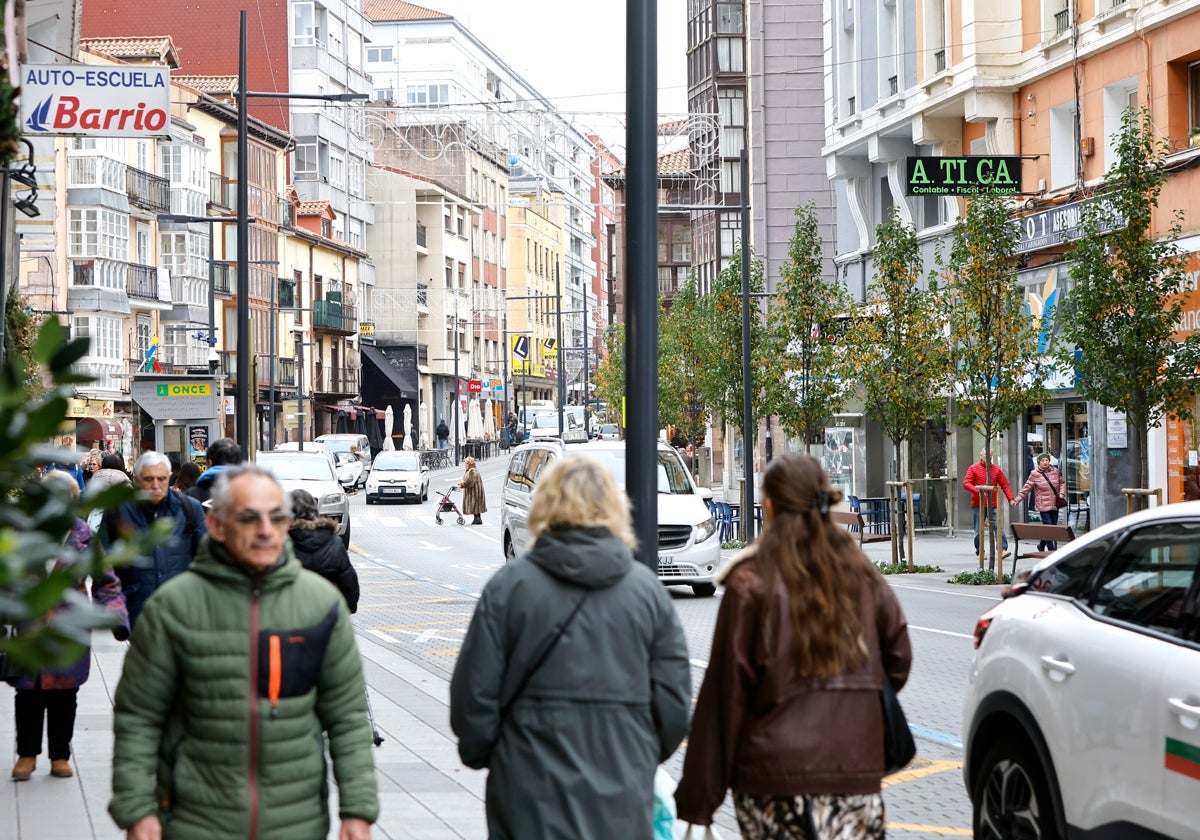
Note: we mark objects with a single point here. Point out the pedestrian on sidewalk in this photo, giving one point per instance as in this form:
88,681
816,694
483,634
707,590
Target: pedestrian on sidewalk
245,669
139,580
319,549
151,475
573,681
1049,490
443,433
51,695
185,479
221,454
977,475
474,499
789,714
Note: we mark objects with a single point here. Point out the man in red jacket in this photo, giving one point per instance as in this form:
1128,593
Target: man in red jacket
977,475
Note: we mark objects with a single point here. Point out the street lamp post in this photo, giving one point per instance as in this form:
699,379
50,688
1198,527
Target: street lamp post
243,227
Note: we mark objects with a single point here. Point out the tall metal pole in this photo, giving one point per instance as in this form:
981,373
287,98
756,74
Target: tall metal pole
747,380
641,242
244,405
562,380
587,422
455,412
212,289
6,250
300,391
271,384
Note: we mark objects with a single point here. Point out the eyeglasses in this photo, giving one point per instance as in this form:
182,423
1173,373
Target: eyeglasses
252,517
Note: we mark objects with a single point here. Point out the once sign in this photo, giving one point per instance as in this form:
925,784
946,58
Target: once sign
96,101
970,175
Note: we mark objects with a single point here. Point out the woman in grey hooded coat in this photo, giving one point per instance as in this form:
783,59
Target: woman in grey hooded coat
573,681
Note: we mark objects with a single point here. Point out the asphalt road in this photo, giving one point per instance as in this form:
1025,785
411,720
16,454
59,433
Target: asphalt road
420,581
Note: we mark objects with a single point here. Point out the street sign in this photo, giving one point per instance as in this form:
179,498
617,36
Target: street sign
969,175
573,366
520,347
549,348
96,101
474,386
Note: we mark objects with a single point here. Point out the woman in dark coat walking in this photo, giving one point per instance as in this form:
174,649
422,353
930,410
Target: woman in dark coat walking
319,549
474,500
50,696
573,682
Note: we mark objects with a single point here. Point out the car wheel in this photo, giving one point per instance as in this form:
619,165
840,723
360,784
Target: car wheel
346,536
370,501
510,550
1012,797
425,495
704,590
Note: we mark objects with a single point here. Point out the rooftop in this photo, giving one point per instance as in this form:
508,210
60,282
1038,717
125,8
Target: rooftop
381,10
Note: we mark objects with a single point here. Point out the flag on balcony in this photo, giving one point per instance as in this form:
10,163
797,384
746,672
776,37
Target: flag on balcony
152,365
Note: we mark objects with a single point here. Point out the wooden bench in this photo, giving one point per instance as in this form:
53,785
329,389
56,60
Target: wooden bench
1040,533
852,520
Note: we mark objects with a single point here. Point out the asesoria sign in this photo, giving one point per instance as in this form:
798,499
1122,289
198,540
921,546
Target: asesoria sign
96,100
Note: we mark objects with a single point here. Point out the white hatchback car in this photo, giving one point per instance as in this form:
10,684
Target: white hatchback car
398,475
1082,708
311,471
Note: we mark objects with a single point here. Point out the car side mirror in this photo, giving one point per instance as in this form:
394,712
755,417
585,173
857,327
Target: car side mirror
705,493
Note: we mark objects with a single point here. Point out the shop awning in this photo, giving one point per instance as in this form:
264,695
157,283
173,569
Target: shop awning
404,379
97,428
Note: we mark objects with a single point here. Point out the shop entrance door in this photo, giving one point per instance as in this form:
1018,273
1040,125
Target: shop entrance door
1061,429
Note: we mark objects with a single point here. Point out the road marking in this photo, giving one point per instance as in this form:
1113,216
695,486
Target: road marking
935,736
944,591
941,632
930,829
923,768
428,546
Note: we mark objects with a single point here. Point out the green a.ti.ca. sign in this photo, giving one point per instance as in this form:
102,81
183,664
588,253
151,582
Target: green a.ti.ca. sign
970,175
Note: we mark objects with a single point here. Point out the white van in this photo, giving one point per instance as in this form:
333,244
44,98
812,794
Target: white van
689,550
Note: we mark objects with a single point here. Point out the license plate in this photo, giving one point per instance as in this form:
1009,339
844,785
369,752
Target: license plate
398,490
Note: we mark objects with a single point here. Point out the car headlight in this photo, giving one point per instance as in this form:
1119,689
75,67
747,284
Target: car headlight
333,499
705,530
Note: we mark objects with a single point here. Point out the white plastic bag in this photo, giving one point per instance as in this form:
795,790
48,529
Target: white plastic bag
701,832
664,806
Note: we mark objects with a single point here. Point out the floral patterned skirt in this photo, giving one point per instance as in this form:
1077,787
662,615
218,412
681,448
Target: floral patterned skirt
824,817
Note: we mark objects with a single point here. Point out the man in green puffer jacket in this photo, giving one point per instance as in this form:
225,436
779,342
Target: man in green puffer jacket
240,669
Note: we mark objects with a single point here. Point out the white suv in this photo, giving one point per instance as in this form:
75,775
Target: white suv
689,552
1082,710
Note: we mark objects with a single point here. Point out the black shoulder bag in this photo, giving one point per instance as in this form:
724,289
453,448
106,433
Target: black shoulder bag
562,628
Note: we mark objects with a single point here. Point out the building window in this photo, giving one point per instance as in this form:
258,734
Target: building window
730,55
105,335
98,233
379,55
303,27
428,96
730,19
337,171
305,162
1064,145
385,94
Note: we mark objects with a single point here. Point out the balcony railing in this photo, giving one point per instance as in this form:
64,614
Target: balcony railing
939,61
142,282
422,236
224,278
333,380
147,190
893,85
220,191
334,316
423,296
1062,21
285,370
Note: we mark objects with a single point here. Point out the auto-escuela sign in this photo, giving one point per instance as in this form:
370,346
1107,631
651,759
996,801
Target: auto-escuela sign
1064,223
970,175
96,100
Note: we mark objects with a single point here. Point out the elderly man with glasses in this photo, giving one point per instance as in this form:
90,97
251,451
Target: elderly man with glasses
245,667
152,475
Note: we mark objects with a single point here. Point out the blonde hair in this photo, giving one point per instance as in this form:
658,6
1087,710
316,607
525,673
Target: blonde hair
580,492
65,479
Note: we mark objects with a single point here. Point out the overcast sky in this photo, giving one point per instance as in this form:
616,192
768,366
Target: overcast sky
573,52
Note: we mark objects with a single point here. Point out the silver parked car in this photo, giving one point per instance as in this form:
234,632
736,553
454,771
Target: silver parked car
311,471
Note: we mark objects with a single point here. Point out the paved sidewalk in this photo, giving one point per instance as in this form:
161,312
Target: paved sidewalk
425,791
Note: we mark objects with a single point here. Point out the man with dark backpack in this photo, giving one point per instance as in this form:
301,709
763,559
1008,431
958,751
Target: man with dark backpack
152,474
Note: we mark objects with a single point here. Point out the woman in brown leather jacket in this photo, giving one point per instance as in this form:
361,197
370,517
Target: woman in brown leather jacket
789,715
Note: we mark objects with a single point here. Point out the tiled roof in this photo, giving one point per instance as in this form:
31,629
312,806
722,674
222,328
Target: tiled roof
312,208
159,48
678,162
208,84
401,10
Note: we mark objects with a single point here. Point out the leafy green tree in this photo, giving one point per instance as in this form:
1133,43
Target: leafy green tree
998,370
801,381
896,350
1126,304
609,378
20,332
681,364
721,389
35,517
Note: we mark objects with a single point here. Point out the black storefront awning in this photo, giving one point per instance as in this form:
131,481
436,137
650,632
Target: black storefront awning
397,366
